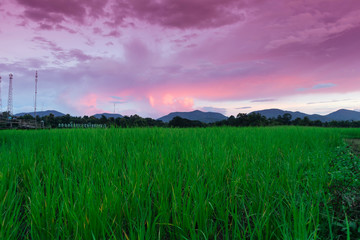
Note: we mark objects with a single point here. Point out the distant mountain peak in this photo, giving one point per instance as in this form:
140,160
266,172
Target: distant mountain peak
107,115
205,117
339,115
41,113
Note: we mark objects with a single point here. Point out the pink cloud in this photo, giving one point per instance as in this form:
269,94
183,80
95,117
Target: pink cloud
170,100
55,10
231,89
61,27
89,102
44,26
166,55
97,30
60,54
79,55
81,105
320,29
181,14
165,103
47,44
40,16
113,33
152,101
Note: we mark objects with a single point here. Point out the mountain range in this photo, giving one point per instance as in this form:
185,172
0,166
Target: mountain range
108,115
205,117
339,115
41,113
210,117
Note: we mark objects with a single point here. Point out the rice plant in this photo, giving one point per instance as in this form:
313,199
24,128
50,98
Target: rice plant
156,183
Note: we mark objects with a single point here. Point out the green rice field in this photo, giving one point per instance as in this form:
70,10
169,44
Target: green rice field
162,183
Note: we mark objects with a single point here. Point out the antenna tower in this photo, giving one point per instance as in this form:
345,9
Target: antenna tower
36,81
0,98
10,96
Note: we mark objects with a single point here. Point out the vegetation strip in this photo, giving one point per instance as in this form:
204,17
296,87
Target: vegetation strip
241,120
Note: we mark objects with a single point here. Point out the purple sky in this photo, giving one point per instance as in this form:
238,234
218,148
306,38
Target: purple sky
155,57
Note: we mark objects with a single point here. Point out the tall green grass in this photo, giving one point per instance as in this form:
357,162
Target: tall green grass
214,183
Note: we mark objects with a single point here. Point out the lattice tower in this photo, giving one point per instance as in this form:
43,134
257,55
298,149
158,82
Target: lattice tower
36,81
10,95
0,98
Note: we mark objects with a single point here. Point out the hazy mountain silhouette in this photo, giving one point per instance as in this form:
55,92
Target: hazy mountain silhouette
206,117
210,117
344,114
41,113
108,115
339,115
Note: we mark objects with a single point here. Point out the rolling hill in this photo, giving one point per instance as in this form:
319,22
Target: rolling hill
107,115
339,115
206,117
41,113
343,115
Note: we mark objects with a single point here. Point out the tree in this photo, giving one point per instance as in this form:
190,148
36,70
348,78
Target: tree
256,119
242,119
297,121
232,121
306,121
50,120
287,118
183,122
103,119
27,117
66,119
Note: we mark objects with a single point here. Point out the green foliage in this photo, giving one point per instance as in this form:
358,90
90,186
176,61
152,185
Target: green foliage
182,123
241,120
344,194
156,183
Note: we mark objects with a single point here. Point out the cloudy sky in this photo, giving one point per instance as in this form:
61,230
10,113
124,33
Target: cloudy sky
152,57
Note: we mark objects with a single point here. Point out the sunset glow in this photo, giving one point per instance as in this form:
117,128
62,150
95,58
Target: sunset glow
152,57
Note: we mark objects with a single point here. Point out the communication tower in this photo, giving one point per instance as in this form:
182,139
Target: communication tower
0,98
36,81
10,96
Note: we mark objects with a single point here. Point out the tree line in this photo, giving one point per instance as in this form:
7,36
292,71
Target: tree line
241,120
